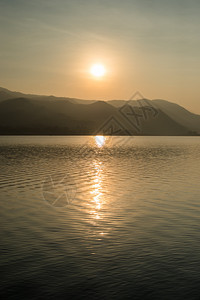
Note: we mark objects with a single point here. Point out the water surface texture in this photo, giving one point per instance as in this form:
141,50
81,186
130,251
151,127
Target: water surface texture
100,218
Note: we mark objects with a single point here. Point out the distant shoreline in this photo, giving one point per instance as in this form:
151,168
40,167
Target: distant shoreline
144,135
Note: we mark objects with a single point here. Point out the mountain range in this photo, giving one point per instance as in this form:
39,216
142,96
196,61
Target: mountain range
49,115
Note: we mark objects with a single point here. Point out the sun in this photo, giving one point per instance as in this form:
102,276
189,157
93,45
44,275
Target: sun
98,70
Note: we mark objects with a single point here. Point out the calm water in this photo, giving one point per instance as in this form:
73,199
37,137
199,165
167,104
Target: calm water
86,218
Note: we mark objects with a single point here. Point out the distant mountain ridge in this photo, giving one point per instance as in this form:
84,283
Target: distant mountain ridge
37,114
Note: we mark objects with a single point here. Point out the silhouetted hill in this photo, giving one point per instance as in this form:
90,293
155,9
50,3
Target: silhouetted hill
174,111
34,114
22,115
179,114
7,94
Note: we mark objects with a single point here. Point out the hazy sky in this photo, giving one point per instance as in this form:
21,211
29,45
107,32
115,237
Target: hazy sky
151,46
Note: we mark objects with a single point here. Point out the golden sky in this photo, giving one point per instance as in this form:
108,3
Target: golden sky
150,46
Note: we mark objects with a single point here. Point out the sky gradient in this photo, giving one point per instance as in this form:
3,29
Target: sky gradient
150,46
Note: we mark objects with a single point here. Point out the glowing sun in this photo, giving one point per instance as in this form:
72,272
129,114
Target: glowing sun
98,70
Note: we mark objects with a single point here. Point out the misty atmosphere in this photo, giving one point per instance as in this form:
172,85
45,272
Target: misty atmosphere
100,149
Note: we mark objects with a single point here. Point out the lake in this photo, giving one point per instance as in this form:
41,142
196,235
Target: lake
100,217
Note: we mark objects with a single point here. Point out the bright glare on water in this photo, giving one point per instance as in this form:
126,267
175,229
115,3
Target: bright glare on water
100,217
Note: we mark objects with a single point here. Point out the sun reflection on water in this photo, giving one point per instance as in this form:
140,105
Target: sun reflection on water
96,190
100,140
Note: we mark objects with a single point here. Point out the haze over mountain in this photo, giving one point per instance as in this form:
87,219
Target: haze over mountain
35,114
